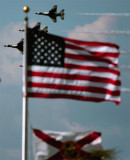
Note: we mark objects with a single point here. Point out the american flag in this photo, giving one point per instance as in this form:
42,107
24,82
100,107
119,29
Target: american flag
60,67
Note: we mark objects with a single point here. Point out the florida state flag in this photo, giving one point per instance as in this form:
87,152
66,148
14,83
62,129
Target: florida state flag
52,145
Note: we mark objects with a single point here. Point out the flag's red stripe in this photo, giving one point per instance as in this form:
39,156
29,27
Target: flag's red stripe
74,47
95,54
92,68
91,44
100,54
106,55
74,97
74,77
47,138
56,156
89,58
88,139
74,88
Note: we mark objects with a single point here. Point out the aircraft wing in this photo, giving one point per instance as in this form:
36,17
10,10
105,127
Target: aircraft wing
62,17
54,9
20,45
21,42
54,18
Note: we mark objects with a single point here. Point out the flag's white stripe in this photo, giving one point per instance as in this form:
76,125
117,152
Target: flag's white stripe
82,52
73,82
79,52
90,63
72,71
78,93
107,49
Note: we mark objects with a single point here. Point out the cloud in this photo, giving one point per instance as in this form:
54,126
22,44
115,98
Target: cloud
107,131
74,127
125,67
125,90
101,24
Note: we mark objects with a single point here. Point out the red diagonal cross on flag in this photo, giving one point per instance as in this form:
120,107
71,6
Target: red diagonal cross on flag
65,145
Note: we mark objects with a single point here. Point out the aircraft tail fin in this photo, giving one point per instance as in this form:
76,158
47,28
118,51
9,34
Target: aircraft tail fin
62,12
45,29
62,17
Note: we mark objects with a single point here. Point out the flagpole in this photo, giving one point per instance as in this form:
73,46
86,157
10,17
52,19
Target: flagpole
25,99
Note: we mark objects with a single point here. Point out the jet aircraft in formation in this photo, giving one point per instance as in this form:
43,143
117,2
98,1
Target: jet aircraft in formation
19,45
53,14
36,27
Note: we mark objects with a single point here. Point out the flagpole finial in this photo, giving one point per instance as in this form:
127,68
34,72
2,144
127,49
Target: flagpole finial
26,9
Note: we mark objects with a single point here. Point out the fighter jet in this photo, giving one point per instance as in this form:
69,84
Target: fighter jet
19,46
36,27
53,14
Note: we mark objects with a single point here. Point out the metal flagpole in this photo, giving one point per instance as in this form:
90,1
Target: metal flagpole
25,99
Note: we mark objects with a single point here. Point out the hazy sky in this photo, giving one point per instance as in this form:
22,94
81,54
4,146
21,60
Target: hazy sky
54,114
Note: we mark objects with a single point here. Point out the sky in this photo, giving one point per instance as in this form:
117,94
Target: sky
61,114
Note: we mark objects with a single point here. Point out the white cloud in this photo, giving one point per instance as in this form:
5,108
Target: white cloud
74,127
102,23
107,132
